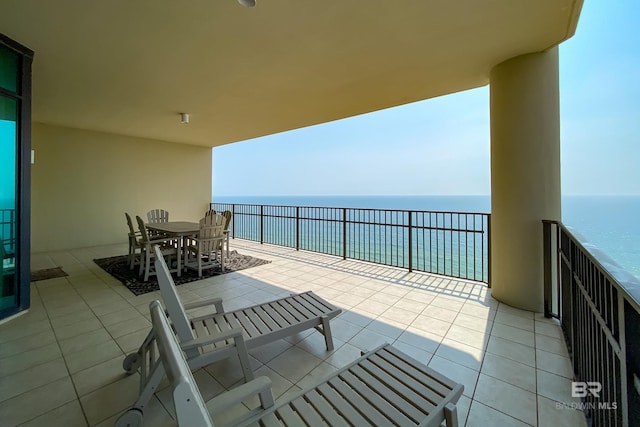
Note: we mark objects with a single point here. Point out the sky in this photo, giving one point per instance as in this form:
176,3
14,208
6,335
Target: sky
441,146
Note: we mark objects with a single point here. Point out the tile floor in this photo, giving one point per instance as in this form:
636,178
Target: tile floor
60,364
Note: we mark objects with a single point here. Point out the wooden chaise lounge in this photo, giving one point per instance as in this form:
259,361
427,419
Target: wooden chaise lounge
213,337
384,387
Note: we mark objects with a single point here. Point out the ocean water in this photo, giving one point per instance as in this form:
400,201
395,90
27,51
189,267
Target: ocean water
612,223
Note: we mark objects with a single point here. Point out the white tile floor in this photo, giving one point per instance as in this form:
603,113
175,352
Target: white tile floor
60,364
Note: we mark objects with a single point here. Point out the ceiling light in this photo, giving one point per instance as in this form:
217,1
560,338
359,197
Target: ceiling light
247,3
184,118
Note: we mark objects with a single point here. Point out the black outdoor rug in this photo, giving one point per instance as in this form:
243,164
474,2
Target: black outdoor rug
47,273
118,267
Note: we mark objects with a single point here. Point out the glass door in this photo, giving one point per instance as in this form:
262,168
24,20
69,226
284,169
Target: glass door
8,199
15,176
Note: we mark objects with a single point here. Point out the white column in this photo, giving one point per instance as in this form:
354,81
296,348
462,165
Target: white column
525,173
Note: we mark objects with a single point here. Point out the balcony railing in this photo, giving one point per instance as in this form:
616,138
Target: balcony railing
8,230
453,244
596,302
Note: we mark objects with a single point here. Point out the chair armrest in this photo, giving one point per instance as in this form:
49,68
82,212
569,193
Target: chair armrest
209,239
217,302
260,386
163,240
233,333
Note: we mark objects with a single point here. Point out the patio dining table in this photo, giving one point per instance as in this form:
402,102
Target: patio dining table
181,230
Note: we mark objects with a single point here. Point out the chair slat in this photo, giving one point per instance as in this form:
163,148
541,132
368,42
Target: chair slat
290,418
401,385
275,316
342,406
308,305
222,323
307,412
262,313
434,378
320,305
199,328
323,407
304,312
375,400
246,324
388,393
276,306
285,305
257,321
201,331
270,420
416,380
357,401
213,329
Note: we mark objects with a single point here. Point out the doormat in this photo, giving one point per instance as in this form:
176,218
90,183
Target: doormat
47,273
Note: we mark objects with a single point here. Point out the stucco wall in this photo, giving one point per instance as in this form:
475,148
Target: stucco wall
84,181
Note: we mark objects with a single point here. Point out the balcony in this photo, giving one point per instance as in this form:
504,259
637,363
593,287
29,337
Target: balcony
60,364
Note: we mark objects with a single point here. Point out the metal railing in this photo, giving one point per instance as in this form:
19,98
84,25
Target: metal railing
596,302
8,230
453,244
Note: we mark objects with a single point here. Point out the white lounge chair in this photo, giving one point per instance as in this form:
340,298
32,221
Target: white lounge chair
210,338
384,387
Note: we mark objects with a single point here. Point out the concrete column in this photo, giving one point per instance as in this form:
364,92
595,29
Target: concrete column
525,173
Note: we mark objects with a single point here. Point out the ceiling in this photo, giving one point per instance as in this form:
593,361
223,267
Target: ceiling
130,67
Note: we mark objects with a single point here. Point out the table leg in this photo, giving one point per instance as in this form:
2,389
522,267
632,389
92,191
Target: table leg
184,249
179,256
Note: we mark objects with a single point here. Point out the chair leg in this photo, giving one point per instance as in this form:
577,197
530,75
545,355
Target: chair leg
131,255
326,330
451,414
147,266
151,386
143,253
243,356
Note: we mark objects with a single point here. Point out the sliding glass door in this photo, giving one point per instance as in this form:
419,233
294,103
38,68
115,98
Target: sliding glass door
8,199
15,150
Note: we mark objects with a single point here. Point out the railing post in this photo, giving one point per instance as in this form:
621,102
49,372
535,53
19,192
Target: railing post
261,224
410,244
489,250
546,248
233,220
297,228
344,233
628,388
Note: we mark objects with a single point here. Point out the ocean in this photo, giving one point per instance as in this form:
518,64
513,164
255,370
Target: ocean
611,223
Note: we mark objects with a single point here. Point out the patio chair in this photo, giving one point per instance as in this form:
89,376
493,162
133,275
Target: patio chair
384,387
227,220
135,244
154,216
220,335
165,247
202,251
226,214
157,215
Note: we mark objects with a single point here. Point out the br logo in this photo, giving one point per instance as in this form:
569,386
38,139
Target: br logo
584,389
